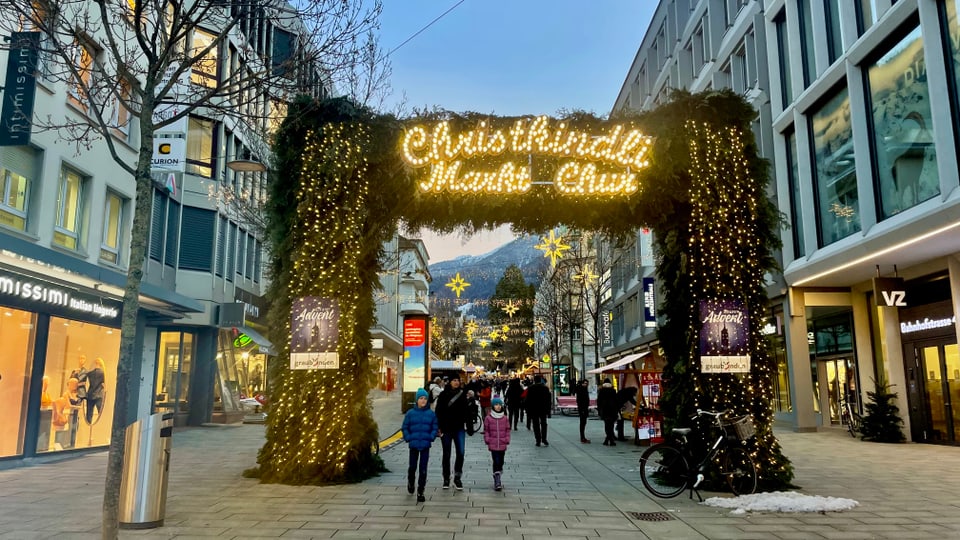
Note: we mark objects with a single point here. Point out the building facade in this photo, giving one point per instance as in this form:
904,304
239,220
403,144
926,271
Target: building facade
66,216
858,114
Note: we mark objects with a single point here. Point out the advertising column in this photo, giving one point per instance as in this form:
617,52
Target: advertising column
416,350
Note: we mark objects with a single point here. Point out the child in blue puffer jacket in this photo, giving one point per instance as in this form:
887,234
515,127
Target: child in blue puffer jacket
419,429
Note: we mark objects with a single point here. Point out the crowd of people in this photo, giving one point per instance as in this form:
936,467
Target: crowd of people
450,410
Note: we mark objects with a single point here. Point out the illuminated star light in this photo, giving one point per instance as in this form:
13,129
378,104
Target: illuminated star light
510,308
530,342
552,247
457,284
496,354
484,343
586,275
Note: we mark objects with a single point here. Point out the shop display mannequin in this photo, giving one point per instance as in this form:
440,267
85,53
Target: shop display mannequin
46,402
80,374
65,417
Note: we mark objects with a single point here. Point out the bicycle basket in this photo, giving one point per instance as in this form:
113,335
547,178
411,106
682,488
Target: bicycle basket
740,429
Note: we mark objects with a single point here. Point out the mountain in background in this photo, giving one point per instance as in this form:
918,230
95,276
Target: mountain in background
483,272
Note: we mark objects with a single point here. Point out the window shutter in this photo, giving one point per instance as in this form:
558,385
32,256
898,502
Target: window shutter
196,239
156,226
221,245
173,227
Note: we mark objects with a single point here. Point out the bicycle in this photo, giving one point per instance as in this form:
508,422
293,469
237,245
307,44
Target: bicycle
850,418
665,467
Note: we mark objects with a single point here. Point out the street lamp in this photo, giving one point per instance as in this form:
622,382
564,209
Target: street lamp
246,165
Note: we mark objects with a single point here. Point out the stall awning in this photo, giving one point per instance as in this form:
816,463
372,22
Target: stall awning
265,346
621,362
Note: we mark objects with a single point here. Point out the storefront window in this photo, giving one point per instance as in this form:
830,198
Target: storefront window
229,385
836,182
173,372
80,376
17,330
902,122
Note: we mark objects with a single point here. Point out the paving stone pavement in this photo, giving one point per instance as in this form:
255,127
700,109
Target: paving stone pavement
566,490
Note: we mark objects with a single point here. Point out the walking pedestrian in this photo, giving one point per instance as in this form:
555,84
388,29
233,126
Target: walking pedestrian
609,410
515,402
539,404
496,433
583,408
435,388
452,418
419,430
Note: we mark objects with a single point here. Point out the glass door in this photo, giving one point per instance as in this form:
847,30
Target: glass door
938,394
839,379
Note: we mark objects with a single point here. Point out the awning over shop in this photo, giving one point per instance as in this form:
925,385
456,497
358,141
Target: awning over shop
630,358
265,346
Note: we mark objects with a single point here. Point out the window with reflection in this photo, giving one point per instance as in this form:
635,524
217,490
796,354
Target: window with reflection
204,71
786,79
173,372
835,169
80,377
13,199
867,13
796,210
66,232
831,9
112,228
200,144
902,138
17,329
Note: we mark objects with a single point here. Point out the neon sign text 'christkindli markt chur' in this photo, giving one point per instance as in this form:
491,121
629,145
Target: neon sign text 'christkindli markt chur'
588,163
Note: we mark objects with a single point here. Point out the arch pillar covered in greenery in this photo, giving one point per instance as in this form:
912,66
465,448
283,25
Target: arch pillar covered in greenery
339,189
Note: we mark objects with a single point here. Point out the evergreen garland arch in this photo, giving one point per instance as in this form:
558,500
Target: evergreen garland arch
339,190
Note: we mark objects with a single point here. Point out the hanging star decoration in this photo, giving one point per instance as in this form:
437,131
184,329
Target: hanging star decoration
510,308
469,338
587,275
457,284
496,354
494,335
552,247
504,329
484,343
472,327
530,342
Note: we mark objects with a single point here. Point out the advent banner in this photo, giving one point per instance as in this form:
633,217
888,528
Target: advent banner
724,337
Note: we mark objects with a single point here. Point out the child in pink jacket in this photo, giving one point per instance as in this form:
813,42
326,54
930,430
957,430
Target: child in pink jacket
496,433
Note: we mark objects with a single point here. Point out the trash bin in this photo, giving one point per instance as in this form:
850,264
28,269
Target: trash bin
146,468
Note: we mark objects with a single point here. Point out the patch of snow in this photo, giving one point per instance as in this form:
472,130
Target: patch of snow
781,501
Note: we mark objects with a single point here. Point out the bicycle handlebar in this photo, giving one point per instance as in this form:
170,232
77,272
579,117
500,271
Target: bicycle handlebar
715,414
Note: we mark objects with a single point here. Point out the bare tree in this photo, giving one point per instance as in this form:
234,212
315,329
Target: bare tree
139,66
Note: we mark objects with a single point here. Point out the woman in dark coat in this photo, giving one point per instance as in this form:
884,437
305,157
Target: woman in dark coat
514,402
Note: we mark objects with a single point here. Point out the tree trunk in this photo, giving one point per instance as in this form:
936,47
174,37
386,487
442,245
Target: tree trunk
128,333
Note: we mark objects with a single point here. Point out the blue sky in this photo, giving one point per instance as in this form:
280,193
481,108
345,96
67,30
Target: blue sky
510,58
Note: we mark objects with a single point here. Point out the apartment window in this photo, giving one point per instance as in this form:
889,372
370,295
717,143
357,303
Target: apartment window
699,48
836,178
618,321
14,189
251,255
258,262
796,210
834,32
164,229
738,63
903,145
66,231
120,115
204,72
786,80
632,313
806,42
84,56
576,332
173,233
952,36
284,57
112,228
200,144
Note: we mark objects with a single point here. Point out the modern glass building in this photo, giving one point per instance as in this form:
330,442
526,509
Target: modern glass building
858,113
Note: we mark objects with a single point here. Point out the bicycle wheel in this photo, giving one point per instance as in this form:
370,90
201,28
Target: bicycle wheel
738,468
851,427
478,423
664,471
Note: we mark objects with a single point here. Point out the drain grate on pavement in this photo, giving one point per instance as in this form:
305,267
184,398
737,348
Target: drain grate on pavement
650,516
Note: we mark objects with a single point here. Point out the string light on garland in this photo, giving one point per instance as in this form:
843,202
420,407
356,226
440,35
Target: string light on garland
552,246
457,284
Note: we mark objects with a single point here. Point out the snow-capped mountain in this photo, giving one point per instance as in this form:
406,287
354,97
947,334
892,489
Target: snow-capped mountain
483,272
